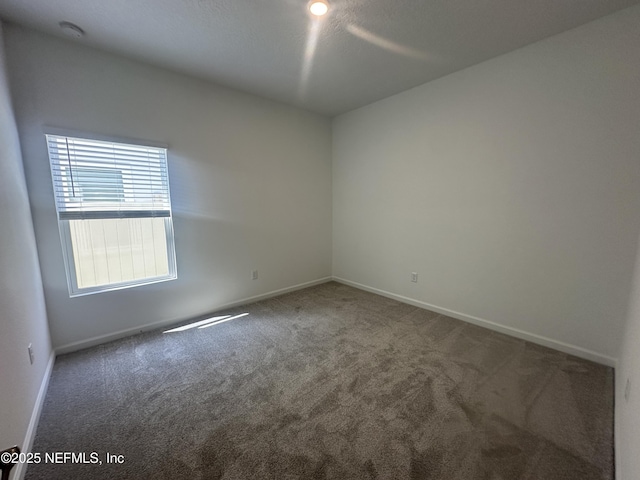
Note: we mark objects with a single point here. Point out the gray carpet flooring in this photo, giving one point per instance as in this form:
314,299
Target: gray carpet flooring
329,382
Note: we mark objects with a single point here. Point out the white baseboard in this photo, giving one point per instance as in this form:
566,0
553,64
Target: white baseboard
514,332
618,395
21,468
91,342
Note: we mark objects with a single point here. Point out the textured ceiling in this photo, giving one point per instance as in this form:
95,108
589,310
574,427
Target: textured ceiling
362,51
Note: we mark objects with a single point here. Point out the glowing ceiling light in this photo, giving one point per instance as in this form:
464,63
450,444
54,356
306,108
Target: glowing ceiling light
318,7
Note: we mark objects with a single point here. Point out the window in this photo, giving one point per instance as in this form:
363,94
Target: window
114,213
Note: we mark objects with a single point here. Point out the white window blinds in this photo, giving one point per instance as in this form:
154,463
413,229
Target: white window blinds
95,179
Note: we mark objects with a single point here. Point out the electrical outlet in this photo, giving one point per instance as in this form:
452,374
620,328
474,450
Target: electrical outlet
414,277
30,350
254,275
627,390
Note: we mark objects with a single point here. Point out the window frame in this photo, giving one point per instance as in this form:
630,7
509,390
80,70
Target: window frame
65,228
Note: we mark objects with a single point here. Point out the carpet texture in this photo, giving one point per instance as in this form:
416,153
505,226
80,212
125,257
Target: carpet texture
329,382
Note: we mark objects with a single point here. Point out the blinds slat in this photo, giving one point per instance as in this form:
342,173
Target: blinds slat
106,214
99,146
109,160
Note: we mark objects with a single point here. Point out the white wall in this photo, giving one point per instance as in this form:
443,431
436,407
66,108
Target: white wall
627,417
511,187
23,317
250,181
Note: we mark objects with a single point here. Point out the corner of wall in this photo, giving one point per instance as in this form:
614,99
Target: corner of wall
22,305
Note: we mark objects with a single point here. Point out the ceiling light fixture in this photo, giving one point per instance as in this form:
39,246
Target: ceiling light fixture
71,29
318,7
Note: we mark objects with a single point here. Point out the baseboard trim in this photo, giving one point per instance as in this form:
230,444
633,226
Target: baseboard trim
514,332
617,404
97,340
27,444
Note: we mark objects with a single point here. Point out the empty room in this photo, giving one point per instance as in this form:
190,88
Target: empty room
327,239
